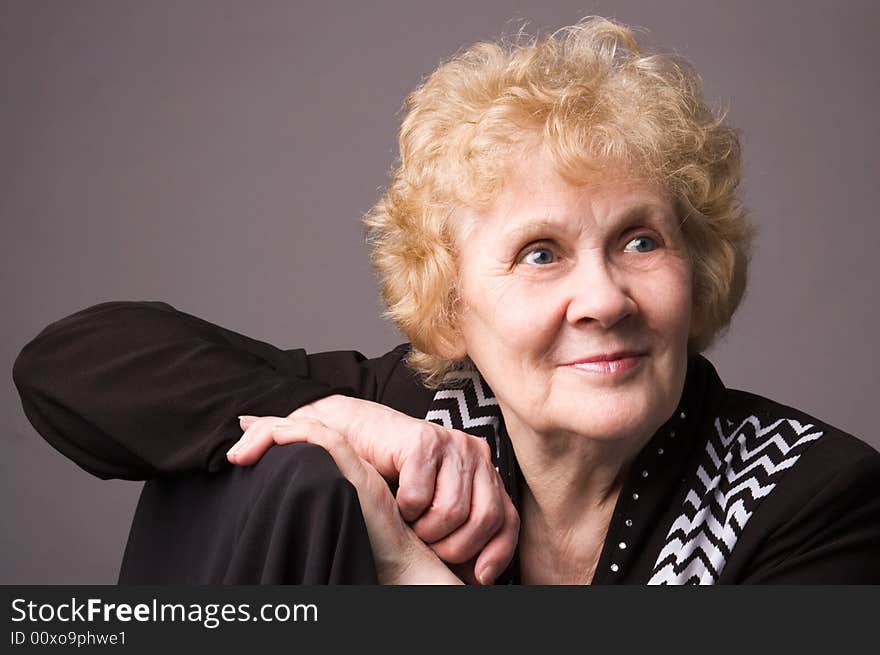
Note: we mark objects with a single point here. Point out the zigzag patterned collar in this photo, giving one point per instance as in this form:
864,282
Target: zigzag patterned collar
740,467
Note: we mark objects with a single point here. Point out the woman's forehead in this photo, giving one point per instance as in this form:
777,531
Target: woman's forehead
536,195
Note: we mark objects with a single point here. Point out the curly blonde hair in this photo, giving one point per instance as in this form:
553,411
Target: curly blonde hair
591,96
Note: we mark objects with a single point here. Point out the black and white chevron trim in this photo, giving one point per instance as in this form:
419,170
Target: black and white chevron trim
469,406
738,470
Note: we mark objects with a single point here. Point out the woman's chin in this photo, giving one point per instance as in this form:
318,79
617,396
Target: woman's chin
615,417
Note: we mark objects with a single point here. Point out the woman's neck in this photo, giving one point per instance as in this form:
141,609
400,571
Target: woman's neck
569,490
568,477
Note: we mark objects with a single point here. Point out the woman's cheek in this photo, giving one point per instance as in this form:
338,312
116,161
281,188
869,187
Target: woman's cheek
531,316
668,299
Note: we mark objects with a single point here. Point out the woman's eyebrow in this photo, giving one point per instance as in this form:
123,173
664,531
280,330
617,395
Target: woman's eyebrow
648,212
641,211
519,227
525,226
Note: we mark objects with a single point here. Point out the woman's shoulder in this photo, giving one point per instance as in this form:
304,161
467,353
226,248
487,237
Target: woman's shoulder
811,473
388,377
819,520
777,495
743,420
773,420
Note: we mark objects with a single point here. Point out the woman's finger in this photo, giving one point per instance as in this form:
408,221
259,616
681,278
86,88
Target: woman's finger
245,421
500,549
416,483
255,441
452,498
314,432
484,520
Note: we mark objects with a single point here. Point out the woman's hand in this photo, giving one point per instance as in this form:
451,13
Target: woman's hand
447,486
400,556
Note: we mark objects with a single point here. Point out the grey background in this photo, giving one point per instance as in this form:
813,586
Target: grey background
218,156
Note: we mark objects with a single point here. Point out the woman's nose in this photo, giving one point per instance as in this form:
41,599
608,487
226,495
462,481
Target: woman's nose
598,294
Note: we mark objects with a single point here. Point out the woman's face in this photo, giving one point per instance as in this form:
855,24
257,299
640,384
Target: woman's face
576,303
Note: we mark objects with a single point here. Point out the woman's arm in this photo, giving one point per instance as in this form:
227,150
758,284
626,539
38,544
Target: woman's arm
832,535
137,389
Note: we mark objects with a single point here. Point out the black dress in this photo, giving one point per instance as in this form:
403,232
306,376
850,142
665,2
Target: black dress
733,489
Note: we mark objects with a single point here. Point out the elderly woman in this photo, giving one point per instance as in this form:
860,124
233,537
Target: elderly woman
561,240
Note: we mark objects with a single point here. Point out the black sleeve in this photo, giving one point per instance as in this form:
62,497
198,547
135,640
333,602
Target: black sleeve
292,518
832,536
137,389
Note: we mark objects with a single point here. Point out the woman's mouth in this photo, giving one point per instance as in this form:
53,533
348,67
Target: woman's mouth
609,364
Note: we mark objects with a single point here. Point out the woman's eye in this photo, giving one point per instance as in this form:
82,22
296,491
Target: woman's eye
641,244
540,256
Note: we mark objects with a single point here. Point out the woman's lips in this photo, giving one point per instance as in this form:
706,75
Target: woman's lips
609,364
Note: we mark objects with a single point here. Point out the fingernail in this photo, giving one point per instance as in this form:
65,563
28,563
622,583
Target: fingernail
235,448
487,575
